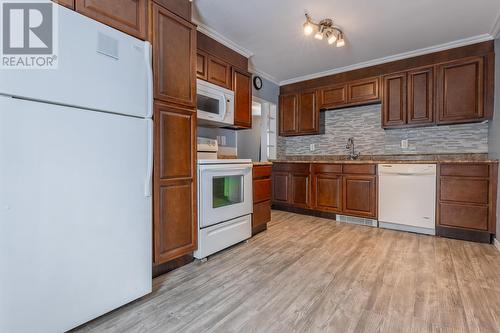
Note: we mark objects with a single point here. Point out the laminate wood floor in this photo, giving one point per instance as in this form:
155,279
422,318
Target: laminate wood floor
307,274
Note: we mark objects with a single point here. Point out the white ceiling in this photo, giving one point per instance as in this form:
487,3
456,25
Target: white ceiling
376,31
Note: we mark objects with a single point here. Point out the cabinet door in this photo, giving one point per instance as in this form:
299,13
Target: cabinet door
219,72
174,199
360,196
363,91
129,16
327,189
300,190
66,3
174,58
175,142
421,96
181,8
394,101
308,119
288,112
174,228
242,87
201,65
261,215
460,91
281,187
331,97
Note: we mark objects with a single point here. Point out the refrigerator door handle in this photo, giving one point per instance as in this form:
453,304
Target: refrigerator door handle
149,65
149,171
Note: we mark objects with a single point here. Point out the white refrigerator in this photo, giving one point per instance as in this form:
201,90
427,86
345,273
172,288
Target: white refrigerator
75,180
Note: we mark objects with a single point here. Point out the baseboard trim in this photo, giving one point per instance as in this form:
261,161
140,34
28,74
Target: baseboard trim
496,243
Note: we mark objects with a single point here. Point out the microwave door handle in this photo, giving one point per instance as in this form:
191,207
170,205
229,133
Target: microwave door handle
224,107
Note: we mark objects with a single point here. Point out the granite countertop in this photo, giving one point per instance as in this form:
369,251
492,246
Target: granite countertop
262,163
392,159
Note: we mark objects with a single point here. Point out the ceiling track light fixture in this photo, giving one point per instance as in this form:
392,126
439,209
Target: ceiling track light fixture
324,29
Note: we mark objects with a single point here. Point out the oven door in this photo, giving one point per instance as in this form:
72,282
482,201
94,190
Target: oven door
224,192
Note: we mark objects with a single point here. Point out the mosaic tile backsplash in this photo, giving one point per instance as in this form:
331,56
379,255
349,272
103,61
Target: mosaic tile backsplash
363,123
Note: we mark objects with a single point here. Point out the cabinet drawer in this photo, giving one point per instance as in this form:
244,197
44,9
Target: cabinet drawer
468,190
295,167
261,213
465,170
327,168
364,169
261,190
262,171
464,216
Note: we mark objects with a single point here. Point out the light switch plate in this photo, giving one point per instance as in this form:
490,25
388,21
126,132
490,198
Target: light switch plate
312,147
404,144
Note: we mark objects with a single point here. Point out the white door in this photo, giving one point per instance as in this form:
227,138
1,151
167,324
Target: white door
225,192
75,221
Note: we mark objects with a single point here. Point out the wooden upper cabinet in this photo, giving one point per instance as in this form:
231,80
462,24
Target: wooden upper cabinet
201,65
360,195
394,101
308,115
66,3
242,87
129,16
460,91
219,72
363,91
288,113
421,96
181,8
331,97
174,58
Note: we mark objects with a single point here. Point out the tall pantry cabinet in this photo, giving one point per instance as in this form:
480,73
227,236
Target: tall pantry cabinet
173,37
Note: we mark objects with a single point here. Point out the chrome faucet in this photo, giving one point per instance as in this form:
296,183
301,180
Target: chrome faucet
350,146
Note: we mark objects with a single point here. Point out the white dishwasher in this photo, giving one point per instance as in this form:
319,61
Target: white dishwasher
407,197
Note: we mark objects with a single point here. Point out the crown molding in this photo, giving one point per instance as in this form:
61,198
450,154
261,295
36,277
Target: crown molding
263,74
222,39
495,28
400,56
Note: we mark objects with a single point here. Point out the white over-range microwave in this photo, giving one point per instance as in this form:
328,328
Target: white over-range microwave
215,104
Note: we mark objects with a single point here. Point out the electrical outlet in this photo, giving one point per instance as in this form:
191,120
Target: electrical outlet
404,144
312,147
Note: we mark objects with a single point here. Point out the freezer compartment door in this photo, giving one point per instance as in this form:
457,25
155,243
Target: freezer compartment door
98,68
75,221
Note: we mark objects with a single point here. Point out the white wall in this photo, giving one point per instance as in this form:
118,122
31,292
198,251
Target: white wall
494,130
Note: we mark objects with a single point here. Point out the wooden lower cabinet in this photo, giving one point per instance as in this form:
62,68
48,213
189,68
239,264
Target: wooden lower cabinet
332,188
174,198
261,198
291,184
174,233
326,188
466,200
360,195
